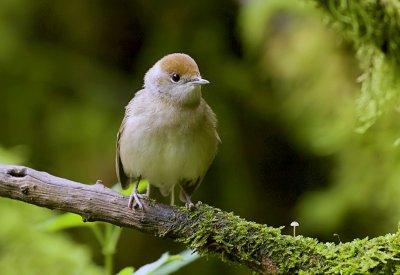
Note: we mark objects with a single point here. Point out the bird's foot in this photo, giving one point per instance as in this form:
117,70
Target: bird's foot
134,200
189,204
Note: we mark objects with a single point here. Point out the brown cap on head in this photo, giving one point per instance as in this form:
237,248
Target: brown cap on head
179,63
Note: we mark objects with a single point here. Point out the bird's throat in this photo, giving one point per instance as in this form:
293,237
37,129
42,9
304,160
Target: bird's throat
191,98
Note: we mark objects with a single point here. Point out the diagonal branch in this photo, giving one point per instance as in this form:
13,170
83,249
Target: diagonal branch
208,230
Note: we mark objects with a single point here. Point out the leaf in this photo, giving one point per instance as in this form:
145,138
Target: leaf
126,271
168,264
186,257
142,187
63,221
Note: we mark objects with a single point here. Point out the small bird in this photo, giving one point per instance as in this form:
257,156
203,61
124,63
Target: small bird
168,134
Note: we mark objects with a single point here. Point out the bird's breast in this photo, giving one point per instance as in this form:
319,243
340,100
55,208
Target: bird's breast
165,145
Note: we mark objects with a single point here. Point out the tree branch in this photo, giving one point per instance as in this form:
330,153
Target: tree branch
208,230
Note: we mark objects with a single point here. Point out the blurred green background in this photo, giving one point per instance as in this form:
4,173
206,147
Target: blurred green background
283,86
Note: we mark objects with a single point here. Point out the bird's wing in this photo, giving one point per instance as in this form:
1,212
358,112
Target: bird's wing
122,177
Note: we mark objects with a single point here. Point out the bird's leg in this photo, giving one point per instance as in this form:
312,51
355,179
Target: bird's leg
187,188
134,198
186,198
173,196
148,188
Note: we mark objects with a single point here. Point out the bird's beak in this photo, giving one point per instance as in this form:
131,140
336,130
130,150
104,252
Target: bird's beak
199,81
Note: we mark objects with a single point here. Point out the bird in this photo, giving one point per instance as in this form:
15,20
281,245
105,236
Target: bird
169,133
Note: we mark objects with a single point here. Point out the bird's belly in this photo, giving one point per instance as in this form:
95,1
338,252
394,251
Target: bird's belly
166,156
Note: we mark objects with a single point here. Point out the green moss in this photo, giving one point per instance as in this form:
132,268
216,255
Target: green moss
373,26
234,239
231,238
379,255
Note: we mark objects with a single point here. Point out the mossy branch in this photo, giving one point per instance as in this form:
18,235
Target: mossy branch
374,22
373,26
208,230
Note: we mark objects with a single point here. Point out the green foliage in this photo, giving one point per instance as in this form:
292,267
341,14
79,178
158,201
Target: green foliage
127,192
126,271
16,155
168,264
307,81
26,248
106,234
309,89
380,86
64,221
373,27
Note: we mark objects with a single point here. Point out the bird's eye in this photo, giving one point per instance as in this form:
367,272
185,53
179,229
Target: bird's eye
175,77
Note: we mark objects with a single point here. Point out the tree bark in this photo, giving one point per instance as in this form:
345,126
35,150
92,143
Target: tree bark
208,230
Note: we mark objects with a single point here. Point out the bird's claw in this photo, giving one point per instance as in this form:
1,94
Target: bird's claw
189,205
134,200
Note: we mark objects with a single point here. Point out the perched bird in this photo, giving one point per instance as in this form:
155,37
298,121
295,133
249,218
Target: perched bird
168,135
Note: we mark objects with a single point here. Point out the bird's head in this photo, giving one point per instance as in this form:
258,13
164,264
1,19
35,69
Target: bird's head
176,76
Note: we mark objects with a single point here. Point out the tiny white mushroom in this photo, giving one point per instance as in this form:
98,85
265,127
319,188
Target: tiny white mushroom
294,224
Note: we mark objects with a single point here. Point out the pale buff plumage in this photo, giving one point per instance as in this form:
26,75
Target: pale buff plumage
168,134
